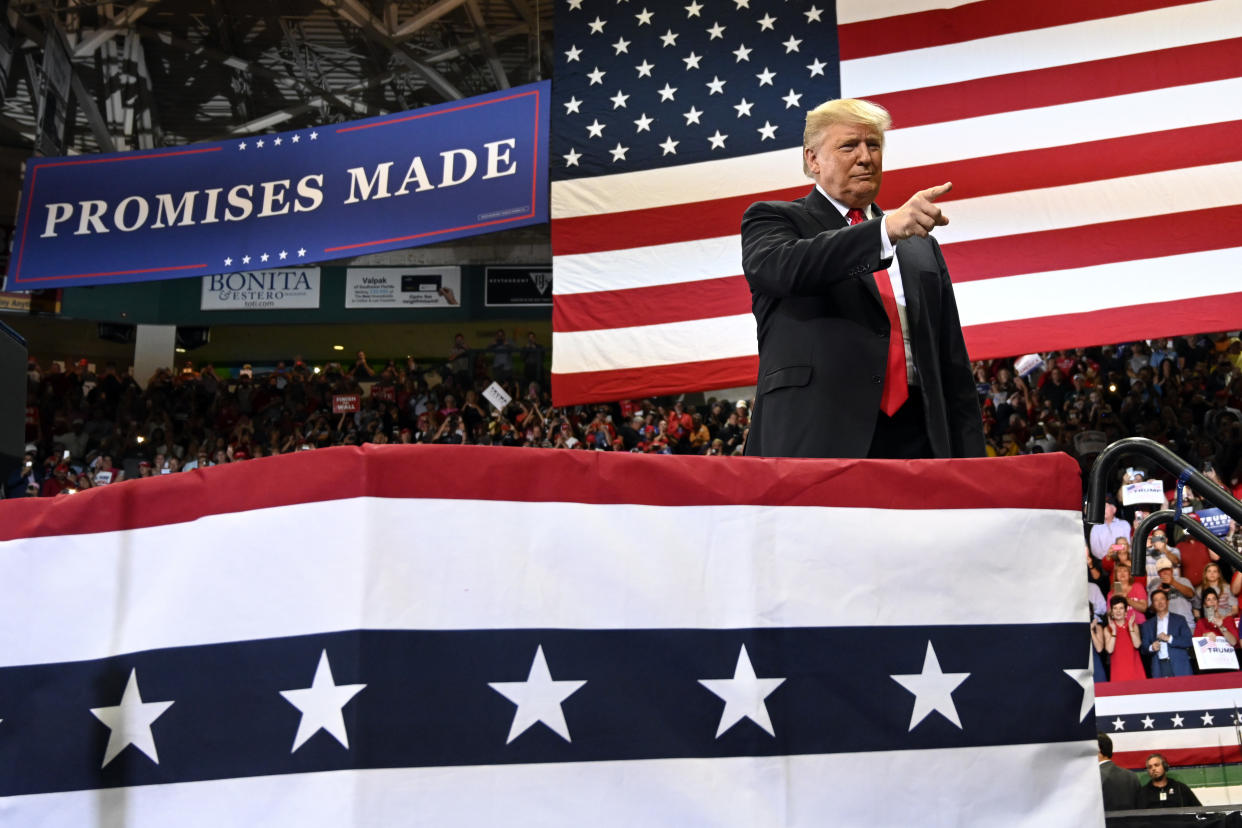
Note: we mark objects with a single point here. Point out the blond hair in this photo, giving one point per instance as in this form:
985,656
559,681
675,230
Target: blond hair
842,111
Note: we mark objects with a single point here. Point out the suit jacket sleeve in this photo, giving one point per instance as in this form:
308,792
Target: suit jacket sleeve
1148,632
783,255
1180,632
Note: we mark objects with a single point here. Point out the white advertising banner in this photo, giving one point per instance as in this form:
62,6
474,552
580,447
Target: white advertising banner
290,288
403,287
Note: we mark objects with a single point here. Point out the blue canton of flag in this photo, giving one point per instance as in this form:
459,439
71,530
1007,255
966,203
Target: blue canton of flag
656,85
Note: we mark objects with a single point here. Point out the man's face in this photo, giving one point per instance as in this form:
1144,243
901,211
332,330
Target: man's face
1155,769
1159,602
1110,512
848,163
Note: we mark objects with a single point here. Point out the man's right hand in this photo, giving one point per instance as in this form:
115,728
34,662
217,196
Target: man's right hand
918,216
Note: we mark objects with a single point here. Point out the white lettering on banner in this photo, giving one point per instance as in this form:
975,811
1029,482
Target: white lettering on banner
457,166
182,209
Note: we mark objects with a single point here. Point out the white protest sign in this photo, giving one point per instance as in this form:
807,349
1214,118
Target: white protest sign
1215,655
496,395
1149,491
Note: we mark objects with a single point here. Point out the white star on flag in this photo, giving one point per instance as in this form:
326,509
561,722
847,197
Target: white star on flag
259,143
321,705
130,722
716,85
1207,719
1084,677
792,44
716,32
741,53
619,99
571,157
263,258
1118,724
1177,720
743,108
596,129
693,9
668,93
572,106
765,77
228,260
792,99
932,689
644,69
1148,722
744,695
596,76
538,699
301,251
692,61
277,141
669,39
817,67
314,136
284,254
644,17
597,25
812,14
245,260
669,146
618,152
692,117
573,54
768,130
242,145
643,123
765,23
717,140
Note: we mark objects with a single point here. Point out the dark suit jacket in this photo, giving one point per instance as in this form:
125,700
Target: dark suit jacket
823,334
1179,647
1121,787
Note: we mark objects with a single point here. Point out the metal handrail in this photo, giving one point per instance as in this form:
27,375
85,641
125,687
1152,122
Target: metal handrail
1111,457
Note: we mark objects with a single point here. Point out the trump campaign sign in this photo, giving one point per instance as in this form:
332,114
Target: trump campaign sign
287,199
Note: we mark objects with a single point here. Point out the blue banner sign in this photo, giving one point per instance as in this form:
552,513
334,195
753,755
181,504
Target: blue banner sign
287,199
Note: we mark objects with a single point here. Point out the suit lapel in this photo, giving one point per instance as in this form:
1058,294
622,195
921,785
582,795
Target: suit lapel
828,217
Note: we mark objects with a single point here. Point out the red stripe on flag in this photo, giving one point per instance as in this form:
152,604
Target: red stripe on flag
1107,325
703,299
938,27
325,475
1094,244
972,178
1181,684
1200,63
653,380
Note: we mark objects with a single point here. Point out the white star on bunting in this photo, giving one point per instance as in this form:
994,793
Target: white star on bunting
932,689
321,705
669,39
1148,723
741,53
130,722
668,93
644,17
1177,720
1207,719
619,99
1118,724
765,77
538,699
644,69
716,85
766,23
768,130
744,695
643,123
1084,677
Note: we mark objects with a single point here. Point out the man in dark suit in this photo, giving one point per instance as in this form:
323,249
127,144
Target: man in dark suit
1166,638
860,351
1121,787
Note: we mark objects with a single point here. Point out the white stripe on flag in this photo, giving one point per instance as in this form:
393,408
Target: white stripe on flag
1098,288
1108,37
635,266
669,343
558,565
742,792
855,11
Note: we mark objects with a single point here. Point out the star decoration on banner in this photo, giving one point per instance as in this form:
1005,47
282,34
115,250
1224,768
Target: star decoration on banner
596,129
277,141
1085,678
1148,723
259,143
571,158
745,695
228,260
1118,724
717,140
296,138
314,136
130,722
242,145
321,705
932,689
1177,720
1207,719
538,699
245,260
301,251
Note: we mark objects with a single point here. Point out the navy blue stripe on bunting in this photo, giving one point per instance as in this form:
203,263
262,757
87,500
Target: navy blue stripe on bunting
427,699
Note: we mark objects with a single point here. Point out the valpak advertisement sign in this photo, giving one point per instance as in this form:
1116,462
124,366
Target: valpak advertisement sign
286,199
262,290
403,287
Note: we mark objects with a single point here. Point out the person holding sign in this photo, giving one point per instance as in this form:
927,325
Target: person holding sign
1214,624
860,347
1122,641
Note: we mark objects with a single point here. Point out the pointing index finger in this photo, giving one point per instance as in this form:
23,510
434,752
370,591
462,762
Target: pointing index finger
933,193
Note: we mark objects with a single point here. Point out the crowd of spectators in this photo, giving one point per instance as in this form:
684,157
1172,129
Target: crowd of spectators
96,427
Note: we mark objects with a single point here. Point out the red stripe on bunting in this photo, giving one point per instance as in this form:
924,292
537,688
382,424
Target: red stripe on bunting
1104,326
1084,81
939,27
1179,757
484,473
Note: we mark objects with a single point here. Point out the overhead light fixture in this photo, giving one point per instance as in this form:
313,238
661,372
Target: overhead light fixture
316,369
338,347
179,350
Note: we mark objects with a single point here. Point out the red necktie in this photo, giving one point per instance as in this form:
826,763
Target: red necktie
895,389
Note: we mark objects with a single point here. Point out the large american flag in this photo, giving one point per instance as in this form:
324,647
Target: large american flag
443,636
1095,150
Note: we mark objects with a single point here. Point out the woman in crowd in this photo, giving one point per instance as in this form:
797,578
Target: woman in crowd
1226,601
1122,641
1131,592
1215,623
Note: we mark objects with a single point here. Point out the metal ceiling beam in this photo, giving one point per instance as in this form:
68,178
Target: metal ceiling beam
424,18
485,43
120,22
373,30
278,116
81,94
